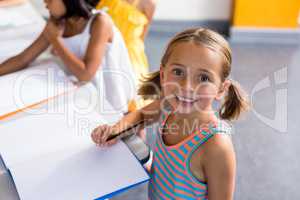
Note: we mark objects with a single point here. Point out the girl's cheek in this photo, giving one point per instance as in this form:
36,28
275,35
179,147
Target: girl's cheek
204,103
209,92
170,87
207,97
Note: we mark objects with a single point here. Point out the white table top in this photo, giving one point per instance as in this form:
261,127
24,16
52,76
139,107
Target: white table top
21,34
20,21
15,37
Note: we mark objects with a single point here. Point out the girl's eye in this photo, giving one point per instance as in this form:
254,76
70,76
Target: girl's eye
178,72
203,78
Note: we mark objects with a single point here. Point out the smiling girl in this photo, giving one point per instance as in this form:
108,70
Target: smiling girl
194,157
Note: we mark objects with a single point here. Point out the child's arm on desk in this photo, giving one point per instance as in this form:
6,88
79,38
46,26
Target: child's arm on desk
21,60
148,114
4,3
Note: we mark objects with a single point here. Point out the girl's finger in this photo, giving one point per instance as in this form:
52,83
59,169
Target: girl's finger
112,142
98,134
104,134
104,138
94,135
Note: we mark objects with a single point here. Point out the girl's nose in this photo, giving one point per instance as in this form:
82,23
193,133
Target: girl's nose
187,85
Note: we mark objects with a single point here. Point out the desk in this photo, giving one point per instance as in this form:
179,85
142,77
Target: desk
28,27
15,38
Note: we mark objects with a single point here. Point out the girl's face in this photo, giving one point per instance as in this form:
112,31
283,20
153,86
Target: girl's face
56,8
191,79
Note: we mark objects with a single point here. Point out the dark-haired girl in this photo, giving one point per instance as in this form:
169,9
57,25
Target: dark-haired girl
88,44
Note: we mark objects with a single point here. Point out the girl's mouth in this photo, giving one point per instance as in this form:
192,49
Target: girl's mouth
185,100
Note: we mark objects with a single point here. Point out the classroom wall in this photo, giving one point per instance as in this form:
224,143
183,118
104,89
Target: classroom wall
192,10
254,13
266,13
195,10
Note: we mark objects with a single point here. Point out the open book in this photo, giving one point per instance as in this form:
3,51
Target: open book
41,81
51,156
21,21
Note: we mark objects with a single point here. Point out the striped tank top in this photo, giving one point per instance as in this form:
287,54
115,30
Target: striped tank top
171,177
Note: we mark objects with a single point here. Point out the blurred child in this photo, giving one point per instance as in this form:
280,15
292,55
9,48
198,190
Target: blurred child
133,18
88,44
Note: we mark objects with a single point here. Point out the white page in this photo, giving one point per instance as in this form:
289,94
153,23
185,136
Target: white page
18,15
36,83
14,18
9,48
39,134
25,32
81,172
20,21
49,159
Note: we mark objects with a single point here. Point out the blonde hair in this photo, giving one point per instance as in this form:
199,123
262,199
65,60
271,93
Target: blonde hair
235,101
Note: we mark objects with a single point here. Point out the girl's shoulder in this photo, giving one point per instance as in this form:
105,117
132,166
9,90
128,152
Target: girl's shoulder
216,137
148,7
219,141
101,19
148,4
218,160
219,145
221,127
101,25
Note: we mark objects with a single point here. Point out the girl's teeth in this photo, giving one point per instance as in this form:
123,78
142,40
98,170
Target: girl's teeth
185,99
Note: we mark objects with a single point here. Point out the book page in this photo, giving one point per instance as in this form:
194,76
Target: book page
42,80
20,22
10,48
52,156
11,18
63,123
18,15
84,171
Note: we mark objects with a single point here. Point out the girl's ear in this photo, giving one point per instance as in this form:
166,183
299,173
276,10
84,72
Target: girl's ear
161,73
223,89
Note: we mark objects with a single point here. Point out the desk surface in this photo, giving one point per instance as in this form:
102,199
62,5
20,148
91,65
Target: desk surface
20,21
19,25
15,38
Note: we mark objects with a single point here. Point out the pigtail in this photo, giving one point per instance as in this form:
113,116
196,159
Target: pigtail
235,102
150,86
92,3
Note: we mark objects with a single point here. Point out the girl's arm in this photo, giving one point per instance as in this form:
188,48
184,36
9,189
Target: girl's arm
149,114
21,60
148,10
4,3
85,69
219,167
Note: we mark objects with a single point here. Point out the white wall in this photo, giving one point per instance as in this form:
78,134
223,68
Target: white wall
193,10
181,9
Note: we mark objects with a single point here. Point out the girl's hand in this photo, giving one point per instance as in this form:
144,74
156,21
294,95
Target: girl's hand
54,29
54,52
101,133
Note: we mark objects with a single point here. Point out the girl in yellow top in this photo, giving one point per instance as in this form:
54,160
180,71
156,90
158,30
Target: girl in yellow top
133,18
